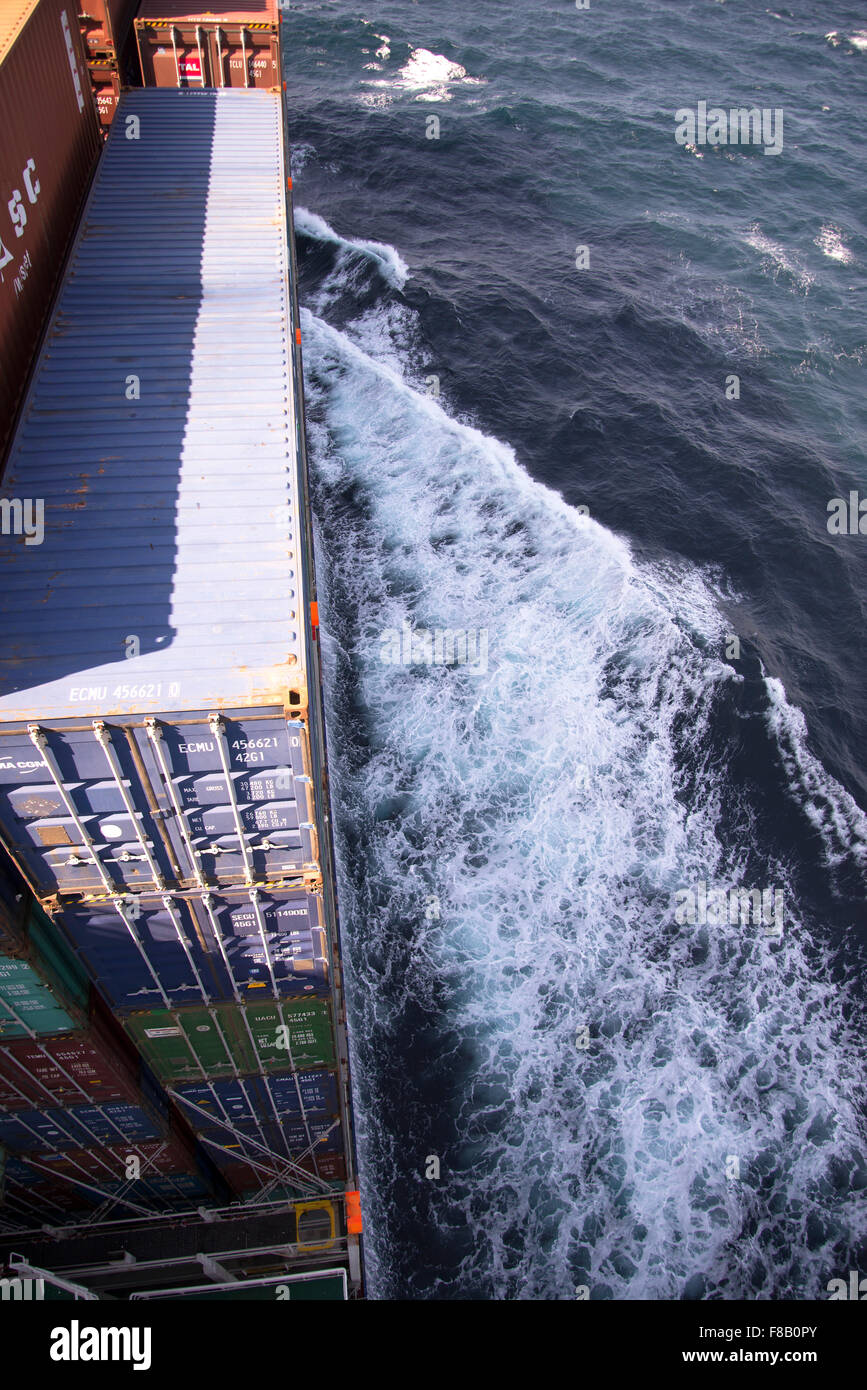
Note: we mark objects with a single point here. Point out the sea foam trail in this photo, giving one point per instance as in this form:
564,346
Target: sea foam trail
512,842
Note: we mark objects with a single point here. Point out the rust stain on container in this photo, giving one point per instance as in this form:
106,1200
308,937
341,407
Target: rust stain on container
49,147
179,46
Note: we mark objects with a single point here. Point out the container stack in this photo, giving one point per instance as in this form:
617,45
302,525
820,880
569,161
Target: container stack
50,142
107,30
83,1125
162,766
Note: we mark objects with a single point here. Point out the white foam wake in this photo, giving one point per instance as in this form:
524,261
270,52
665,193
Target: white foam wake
549,809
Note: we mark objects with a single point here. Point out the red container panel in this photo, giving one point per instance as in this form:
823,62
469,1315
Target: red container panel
105,83
242,1179
76,1069
105,24
50,140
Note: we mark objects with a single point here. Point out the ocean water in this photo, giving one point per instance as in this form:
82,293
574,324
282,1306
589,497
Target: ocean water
619,1103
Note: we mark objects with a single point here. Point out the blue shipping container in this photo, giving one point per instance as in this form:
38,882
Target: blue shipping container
154,712
164,952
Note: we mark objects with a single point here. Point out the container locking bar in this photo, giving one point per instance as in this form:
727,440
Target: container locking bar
218,37
263,937
175,49
218,729
122,909
103,737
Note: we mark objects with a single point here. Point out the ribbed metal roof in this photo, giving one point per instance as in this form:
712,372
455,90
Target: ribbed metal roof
252,12
171,519
14,14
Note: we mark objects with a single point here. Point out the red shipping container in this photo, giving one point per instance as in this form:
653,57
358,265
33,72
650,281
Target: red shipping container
110,1164
105,25
183,46
105,81
77,1069
242,1179
49,147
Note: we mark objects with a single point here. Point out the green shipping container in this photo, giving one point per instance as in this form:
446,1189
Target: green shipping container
24,996
41,978
185,1044
50,952
325,1286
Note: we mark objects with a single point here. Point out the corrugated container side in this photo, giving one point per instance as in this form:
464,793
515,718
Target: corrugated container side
185,577
244,1179
50,143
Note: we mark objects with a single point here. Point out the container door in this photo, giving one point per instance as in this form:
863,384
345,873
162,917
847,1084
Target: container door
245,56
236,795
75,813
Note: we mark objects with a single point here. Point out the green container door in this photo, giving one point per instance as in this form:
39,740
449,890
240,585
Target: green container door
22,993
191,1043
185,1044
293,1035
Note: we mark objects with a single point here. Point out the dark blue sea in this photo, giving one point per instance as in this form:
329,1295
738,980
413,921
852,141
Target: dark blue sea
556,460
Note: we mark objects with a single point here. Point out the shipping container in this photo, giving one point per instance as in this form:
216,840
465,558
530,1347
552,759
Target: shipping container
63,1071
49,146
285,1095
161,445
44,989
125,804
149,952
292,1140
79,1127
28,1007
105,83
106,25
225,1041
246,1180
182,46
